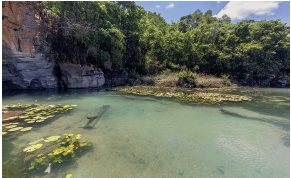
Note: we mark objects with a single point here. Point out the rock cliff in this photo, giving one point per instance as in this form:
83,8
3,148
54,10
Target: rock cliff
26,57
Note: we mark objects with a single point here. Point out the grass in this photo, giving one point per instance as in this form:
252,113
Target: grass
209,89
208,81
171,80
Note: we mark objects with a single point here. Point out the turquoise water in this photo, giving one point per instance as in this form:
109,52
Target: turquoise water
155,137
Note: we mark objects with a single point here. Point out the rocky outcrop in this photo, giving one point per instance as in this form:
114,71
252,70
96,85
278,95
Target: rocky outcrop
76,76
28,73
26,56
26,61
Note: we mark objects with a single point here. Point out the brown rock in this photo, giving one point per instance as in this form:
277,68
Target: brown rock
7,114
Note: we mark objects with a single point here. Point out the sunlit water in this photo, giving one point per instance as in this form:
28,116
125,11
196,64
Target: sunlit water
154,137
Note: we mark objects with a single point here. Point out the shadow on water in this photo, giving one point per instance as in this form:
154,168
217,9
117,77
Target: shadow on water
274,122
283,125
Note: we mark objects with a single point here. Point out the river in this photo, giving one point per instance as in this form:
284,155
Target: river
156,137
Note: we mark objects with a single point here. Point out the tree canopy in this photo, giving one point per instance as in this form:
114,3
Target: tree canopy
126,36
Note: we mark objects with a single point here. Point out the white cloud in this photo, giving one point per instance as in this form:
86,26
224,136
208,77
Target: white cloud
158,6
170,6
238,10
218,2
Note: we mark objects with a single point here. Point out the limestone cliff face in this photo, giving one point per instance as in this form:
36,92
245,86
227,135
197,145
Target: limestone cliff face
26,58
75,76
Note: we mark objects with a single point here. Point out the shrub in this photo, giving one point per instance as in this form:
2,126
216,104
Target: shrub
187,75
166,72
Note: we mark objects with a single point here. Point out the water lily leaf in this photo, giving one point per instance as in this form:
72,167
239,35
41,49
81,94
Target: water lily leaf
68,175
3,133
39,120
32,148
73,105
27,119
11,126
35,142
30,121
15,129
66,106
26,129
23,117
52,138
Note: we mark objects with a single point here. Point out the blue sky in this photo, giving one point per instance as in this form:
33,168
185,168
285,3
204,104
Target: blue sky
237,10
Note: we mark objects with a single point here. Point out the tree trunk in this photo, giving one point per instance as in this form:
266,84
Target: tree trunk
77,12
86,12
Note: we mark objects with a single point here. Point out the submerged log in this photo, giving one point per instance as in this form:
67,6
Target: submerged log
100,112
96,117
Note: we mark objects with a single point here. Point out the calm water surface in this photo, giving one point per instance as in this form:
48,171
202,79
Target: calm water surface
154,137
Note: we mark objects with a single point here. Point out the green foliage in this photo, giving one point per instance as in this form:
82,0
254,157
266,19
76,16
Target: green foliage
67,149
125,35
187,75
166,72
38,162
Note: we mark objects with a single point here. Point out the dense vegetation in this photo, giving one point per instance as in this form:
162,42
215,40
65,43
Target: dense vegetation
122,35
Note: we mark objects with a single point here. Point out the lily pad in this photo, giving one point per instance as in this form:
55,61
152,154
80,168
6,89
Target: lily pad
39,120
26,129
32,148
35,142
11,126
23,117
52,138
15,129
30,122
73,105
68,175
3,133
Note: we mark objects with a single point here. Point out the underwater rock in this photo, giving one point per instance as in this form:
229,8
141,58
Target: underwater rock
8,114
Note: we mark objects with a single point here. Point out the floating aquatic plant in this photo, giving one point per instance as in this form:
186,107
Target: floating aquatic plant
37,162
3,133
26,129
52,138
11,126
32,148
68,175
32,113
15,129
35,142
196,95
67,147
